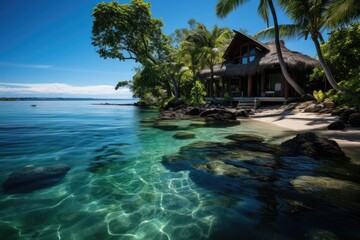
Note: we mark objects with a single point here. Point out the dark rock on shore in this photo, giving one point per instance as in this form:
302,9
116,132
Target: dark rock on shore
354,119
309,144
184,135
338,125
193,111
32,178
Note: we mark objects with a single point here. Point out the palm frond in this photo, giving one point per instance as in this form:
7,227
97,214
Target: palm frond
224,7
289,31
263,11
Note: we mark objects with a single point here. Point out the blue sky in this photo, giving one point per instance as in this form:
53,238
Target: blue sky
45,45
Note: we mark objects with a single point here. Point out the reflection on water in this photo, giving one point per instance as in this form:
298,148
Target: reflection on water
131,179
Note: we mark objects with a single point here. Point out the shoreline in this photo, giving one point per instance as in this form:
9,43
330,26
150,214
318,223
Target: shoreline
300,122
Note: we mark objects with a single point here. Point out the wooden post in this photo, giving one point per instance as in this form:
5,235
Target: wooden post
250,86
286,89
223,87
262,84
240,88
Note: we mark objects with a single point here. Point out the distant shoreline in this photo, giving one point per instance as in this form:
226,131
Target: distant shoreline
61,99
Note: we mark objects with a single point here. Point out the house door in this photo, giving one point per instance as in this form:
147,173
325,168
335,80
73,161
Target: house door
244,87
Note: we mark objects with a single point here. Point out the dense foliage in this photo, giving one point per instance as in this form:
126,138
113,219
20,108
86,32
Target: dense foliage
342,55
168,64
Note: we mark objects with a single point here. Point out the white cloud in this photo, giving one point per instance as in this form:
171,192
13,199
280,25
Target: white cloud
54,68
6,64
62,89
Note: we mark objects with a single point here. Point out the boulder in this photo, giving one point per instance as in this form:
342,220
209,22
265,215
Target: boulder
354,119
245,138
328,104
313,108
309,144
344,116
193,111
217,110
222,168
31,178
184,135
338,125
241,113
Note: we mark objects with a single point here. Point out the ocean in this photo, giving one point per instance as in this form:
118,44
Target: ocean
131,179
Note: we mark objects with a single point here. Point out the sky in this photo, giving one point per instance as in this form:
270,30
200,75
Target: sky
46,51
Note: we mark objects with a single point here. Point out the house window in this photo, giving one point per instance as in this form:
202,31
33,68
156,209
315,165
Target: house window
274,82
247,54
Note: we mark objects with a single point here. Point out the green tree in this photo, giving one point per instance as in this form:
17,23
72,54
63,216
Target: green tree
342,55
210,45
129,32
224,7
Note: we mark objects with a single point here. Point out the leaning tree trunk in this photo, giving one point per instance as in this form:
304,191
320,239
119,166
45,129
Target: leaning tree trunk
328,74
212,82
176,92
284,71
195,88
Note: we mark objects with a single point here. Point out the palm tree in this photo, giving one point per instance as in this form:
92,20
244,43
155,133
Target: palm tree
311,17
224,7
343,11
191,57
210,43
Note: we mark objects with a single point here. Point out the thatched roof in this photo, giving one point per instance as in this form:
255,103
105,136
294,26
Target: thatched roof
264,61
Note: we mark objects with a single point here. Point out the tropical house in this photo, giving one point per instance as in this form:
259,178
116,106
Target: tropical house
251,70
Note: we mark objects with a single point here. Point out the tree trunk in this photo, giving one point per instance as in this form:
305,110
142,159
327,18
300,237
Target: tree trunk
176,92
212,82
195,88
328,74
284,71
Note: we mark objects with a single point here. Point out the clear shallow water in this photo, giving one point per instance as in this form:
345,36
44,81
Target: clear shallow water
119,188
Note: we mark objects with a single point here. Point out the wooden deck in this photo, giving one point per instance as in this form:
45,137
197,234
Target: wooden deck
256,101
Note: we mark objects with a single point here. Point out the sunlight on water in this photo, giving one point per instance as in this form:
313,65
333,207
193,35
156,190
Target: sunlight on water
119,188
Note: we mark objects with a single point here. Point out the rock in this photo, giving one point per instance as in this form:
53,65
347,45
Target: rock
221,168
193,111
304,105
225,117
309,144
313,108
245,138
207,112
241,113
344,116
165,127
338,125
328,104
32,178
354,119
184,135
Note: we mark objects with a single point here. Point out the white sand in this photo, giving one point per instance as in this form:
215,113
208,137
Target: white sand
298,121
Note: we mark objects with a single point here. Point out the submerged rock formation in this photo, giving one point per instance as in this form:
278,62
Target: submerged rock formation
184,135
32,178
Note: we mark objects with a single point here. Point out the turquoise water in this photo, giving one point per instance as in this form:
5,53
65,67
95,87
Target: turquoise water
120,186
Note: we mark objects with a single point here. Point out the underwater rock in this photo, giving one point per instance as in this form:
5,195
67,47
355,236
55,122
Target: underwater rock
184,135
32,178
327,186
166,127
222,168
245,138
309,144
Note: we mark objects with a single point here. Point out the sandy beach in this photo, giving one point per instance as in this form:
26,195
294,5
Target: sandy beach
296,120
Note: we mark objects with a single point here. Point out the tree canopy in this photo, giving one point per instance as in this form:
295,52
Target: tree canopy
129,32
